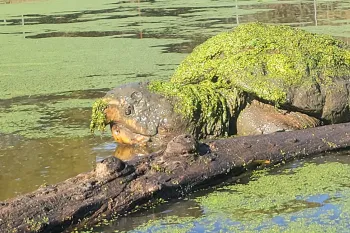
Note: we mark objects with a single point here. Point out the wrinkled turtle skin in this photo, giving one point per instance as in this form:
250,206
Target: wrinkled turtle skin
260,118
256,79
140,117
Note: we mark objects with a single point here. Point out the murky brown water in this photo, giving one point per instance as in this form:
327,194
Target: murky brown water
57,57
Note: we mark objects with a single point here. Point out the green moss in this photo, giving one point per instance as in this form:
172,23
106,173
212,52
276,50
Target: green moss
266,60
98,117
262,60
209,106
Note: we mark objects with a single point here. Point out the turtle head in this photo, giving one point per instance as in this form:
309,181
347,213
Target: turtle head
138,116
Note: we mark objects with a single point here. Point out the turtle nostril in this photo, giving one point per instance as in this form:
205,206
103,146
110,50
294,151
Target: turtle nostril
128,110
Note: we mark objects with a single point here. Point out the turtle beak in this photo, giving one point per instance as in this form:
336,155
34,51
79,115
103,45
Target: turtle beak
123,135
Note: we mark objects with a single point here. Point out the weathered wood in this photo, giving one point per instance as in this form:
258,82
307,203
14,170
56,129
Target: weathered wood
115,186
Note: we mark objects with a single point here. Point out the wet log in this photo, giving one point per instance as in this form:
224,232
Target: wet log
115,187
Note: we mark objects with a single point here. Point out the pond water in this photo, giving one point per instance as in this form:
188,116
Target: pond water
308,195
58,56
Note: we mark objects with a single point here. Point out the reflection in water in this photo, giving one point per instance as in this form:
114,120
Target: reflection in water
57,97
318,208
27,164
126,152
74,53
178,208
304,14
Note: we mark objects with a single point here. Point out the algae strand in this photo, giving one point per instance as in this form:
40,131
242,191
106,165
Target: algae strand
98,116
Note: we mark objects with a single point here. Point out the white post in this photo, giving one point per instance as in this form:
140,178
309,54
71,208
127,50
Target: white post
315,10
24,32
237,18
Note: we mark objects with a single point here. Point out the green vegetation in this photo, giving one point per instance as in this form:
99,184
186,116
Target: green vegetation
209,106
287,192
292,195
263,60
310,198
42,58
61,118
67,54
266,60
36,225
98,117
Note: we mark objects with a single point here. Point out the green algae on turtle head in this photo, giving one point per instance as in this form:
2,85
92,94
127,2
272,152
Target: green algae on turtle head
266,60
98,116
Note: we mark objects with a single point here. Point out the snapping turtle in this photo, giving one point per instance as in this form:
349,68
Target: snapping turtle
255,79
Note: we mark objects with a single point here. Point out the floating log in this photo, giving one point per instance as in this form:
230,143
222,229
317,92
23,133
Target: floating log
115,187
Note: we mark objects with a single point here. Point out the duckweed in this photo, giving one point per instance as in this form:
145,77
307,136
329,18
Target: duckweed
310,198
295,196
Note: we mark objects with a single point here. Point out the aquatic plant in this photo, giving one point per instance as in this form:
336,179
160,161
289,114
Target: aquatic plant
266,60
309,198
209,106
98,117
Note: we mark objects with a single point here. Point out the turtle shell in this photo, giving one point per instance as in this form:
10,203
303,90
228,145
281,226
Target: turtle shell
288,67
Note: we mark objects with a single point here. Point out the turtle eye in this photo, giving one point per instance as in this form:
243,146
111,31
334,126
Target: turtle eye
128,110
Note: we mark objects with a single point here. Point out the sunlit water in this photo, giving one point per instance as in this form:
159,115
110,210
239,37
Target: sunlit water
308,195
58,56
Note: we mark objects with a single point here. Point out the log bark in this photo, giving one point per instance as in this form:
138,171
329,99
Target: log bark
115,187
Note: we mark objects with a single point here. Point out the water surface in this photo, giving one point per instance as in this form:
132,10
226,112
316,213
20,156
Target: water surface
58,56
308,195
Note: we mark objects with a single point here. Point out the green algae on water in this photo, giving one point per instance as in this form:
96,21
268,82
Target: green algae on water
98,117
275,191
60,117
310,198
291,195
